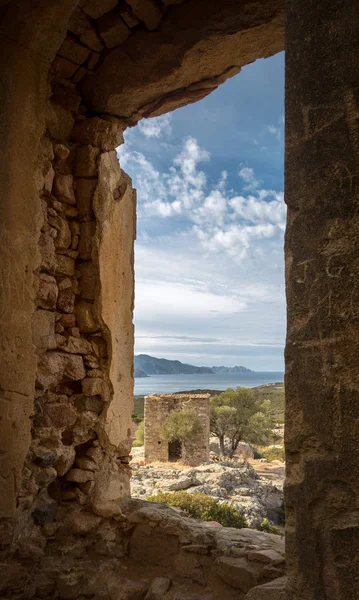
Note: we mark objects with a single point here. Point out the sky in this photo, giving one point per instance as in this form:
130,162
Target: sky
209,262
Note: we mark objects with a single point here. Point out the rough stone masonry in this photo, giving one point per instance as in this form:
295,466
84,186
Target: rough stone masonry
157,408
73,76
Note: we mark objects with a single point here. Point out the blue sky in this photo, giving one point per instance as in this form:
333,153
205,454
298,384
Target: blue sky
211,217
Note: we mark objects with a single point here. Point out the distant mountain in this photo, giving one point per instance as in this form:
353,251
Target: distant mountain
146,365
161,366
140,373
236,369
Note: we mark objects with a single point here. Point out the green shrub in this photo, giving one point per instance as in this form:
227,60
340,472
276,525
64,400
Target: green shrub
202,507
256,454
267,528
139,435
273,454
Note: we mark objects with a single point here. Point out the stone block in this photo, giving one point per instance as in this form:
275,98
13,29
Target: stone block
68,321
106,134
63,67
111,485
56,367
86,161
43,330
79,476
87,231
237,572
274,590
147,11
81,523
92,386
85,189
66,300
59,122
63,188
81,26
63,238
268,555
46,291
64,265
47,252
113,30
85,318
88,281
158,588
56,415
152,546
97,8
76,345
65,460
91,403
86,463
128,16
74,51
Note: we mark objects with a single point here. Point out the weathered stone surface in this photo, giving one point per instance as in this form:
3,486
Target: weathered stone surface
63,67
92,403
157,408
47,251
73,51
43,323
265,556
76,345
63,238
54,367
87,231
56,415
88,281
64,265
79,475
106,134
97,8
112,484
147,11
66,300
274,590
86,162
158,588
59,122
63,188
186,32
237,572
85,317
92,386
85,189
112,29
81,26
81,523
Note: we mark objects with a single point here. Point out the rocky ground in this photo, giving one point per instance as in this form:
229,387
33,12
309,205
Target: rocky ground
255,489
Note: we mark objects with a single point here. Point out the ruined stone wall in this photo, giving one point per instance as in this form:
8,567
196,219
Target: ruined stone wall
82,326
157,408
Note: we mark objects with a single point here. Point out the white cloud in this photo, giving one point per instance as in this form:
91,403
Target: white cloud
156,127
247,175
221,221
275,131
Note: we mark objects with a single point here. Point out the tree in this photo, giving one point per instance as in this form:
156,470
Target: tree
240,415
139,435
182,425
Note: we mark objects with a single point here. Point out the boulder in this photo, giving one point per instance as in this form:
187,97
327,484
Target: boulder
274,590
237,572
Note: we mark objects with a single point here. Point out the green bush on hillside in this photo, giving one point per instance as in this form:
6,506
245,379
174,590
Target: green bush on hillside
202,507
273,454
267,528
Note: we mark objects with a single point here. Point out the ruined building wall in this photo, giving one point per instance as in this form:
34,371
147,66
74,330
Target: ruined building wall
157,408
322,262
68,219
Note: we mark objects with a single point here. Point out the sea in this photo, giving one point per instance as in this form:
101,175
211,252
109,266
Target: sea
166,384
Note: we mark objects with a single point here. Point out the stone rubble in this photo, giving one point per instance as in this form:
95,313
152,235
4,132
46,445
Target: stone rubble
255,497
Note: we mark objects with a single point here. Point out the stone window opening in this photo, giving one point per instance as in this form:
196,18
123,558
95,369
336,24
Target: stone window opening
82,77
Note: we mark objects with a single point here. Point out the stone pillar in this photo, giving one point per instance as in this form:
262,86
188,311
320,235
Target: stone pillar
322,262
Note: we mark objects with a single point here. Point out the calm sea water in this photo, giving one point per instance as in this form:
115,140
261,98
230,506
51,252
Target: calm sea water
164,384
